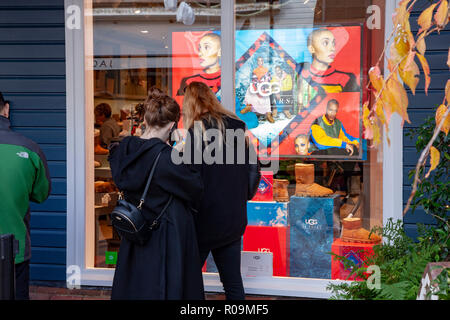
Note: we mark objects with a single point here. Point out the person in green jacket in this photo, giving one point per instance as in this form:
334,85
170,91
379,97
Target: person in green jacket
24,176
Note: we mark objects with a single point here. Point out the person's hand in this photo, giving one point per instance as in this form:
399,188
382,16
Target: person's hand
177,137
349,149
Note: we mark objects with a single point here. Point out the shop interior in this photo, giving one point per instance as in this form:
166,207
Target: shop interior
133,52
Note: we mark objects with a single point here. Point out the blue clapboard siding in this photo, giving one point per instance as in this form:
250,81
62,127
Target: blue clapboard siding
421,107
32,76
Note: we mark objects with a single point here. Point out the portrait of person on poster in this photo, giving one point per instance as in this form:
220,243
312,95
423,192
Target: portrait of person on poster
284,79
257,97
282,101
321,76
329,136
209,52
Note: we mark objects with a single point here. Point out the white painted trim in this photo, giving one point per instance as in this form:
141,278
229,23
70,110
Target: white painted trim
227,34
393,153
277,286
75,100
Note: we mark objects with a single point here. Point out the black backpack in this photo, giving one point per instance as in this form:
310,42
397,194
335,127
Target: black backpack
128,219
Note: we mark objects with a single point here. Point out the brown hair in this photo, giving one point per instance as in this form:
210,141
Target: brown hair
200,103
160,109
103,109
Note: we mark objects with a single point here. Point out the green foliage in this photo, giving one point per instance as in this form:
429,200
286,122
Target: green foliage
401,261
441,282
433,194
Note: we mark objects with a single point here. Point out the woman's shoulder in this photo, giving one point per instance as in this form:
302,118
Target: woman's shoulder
234,123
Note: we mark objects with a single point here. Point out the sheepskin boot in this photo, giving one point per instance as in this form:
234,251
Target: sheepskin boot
305,186
280,190
352,231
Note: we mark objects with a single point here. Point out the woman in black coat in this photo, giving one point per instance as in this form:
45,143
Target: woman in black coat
168,265
222,216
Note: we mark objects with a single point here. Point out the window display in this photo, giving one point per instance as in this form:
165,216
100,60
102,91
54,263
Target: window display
299,82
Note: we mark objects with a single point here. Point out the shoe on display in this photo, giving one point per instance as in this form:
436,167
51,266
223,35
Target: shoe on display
274,113
269,117
352,231
280,190
305,186
287,114
248,108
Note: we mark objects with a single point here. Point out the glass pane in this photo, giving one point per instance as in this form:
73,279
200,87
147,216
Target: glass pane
134,45
300,81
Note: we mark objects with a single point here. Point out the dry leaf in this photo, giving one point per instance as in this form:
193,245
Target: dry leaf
401,13
368,133
440,112
441,16
410,74
448,59
425,18
397,97
402,56
435,156
375,78
421,45
379,110
447,91
376,133
426,71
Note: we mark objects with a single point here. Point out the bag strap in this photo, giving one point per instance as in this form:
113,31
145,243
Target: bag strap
141,202
156,222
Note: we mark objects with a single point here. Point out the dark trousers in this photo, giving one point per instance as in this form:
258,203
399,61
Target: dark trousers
23,280
228,262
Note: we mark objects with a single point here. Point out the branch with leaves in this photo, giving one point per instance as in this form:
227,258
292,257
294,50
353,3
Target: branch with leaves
390,95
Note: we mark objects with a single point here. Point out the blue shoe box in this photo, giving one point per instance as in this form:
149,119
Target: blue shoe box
267,214
311,235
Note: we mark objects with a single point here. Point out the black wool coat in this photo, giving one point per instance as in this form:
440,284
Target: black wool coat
168,265
222,216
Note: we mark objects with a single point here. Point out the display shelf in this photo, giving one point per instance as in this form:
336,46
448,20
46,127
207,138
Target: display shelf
103,172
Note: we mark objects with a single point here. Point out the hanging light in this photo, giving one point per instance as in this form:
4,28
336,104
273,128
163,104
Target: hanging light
185,14
170,5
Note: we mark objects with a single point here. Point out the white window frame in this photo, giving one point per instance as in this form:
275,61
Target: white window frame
77,168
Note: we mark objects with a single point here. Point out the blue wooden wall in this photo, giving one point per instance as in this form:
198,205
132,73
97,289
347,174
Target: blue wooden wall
32,76
422,106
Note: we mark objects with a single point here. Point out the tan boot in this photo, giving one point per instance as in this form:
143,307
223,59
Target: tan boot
248,108
280,190
305,186
287,114
269,117
352,231
274,113
98,149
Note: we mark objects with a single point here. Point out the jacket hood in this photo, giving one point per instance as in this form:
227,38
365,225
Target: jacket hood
132,160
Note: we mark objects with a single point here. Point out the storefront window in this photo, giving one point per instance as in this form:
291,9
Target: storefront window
300,80
137,45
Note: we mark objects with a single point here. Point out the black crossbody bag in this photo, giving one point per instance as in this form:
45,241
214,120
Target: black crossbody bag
128,219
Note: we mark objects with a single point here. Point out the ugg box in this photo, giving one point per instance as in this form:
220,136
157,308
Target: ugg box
311,235
354,251
265,188
267,213
270,239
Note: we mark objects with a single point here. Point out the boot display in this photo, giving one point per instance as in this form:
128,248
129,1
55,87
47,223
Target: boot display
352,231
269,117
98,149
280,190
305,186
